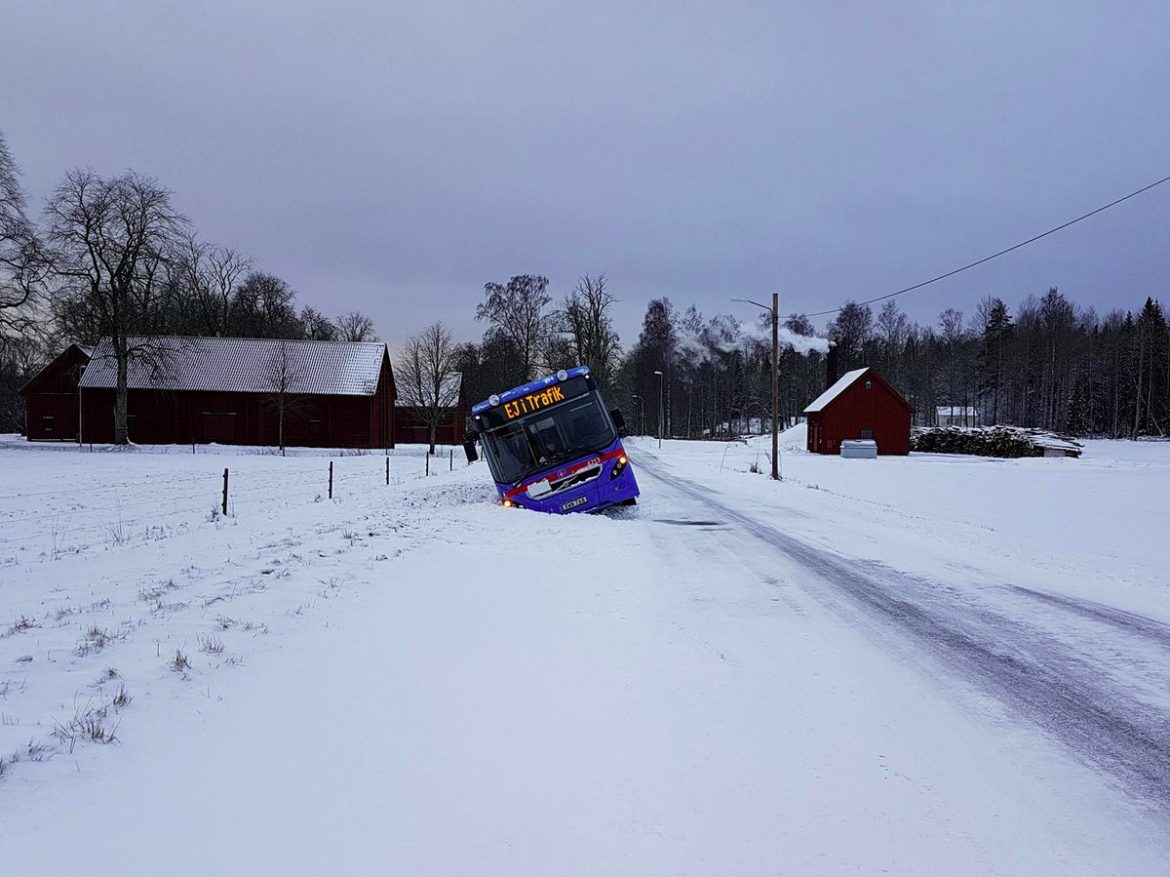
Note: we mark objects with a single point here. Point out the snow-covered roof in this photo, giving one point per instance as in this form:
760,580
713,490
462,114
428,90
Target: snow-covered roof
843,383
448,392
247,365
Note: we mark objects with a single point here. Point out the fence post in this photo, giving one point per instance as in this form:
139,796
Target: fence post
451,461
225,491
428,471
331,479
387,471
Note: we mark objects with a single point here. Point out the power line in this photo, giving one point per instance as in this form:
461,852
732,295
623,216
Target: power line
1003,252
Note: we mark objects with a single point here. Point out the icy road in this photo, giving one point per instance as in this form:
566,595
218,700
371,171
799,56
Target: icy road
923,666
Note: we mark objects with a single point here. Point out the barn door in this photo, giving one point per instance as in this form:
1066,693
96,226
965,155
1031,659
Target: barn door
219,428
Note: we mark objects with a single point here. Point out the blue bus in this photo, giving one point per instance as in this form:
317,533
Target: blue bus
552,446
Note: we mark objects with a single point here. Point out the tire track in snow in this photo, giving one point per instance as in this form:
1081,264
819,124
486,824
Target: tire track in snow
1129,622
1019,664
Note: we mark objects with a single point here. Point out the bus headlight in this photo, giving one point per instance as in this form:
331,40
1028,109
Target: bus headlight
619,467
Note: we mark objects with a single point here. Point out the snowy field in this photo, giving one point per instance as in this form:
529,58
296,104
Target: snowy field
927,665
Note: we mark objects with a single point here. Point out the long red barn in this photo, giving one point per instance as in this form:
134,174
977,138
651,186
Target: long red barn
231,391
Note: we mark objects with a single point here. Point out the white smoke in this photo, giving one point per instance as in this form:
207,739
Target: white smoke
803,344
727,335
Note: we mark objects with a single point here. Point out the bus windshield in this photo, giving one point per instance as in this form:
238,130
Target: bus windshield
548,438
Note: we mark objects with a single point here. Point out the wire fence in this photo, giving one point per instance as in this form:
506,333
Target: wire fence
63,521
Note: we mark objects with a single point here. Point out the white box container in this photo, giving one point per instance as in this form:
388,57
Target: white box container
859,449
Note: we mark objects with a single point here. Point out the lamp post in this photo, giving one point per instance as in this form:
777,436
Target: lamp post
641,413
774,313
659,373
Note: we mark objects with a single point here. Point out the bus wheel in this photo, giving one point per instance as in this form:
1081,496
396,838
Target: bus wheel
630,501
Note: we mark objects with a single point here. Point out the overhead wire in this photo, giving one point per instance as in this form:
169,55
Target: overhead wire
996,255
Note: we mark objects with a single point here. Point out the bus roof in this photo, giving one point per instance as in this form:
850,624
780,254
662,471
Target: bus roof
530,387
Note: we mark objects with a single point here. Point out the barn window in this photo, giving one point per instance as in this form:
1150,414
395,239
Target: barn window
869,385
47,423
867,433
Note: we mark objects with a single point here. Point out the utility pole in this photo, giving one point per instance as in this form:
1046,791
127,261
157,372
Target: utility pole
641,413
774,313
659,373
775,385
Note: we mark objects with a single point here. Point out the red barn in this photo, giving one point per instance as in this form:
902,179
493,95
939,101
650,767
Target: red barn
240,391
410,422
51,402
861,405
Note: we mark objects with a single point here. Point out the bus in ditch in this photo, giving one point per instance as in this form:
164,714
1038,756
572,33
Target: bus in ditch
552,446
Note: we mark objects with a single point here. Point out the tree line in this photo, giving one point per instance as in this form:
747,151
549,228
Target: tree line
113,259
1048,363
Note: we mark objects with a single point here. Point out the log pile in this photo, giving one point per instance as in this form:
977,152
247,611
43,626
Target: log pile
992,441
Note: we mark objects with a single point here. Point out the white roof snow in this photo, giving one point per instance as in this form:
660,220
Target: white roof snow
247,365
843,383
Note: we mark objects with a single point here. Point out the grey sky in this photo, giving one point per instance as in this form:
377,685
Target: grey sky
393,157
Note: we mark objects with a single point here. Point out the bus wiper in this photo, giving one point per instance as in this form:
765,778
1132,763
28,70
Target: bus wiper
555,460
530,471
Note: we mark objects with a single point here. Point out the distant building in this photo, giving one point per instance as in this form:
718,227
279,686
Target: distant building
956,415
223,390
51,400
410,424
860,405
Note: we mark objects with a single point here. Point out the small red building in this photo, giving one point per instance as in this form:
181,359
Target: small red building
861,405
51,400
239,391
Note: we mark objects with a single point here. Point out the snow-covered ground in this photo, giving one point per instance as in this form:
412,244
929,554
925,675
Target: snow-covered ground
927,665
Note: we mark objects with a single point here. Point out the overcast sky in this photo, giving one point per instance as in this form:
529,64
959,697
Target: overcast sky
393,156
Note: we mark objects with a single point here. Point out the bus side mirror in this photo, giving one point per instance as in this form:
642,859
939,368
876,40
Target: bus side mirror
619,422
469,450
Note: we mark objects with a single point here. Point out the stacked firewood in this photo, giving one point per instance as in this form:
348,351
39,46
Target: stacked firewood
991,441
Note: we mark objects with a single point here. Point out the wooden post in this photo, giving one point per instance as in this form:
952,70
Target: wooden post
225,491
428,472
387,470
331,479
451,461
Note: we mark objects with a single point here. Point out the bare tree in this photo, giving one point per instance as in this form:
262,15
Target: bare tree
517,312
206,279
317,326
426,378
284,380
355,326
112,238
264,306
24,263
586,320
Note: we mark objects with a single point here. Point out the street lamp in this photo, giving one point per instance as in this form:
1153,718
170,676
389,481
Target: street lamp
774,313
659,373
641,413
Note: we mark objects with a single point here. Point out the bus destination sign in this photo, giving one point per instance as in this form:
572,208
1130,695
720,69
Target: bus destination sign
533,402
